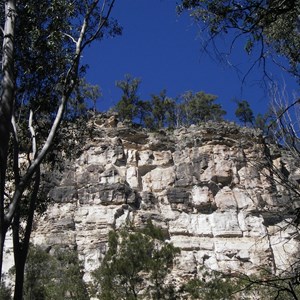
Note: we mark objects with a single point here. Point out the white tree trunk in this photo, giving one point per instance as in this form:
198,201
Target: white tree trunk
6,107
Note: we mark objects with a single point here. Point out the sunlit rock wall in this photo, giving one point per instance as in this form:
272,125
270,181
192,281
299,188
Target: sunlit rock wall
207,186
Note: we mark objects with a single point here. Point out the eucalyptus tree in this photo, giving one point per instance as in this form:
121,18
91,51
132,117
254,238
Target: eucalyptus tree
127,107
244,112
200,107
42,46
162,109
273,27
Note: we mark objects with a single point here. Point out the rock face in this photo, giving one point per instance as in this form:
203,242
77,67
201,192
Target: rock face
207,186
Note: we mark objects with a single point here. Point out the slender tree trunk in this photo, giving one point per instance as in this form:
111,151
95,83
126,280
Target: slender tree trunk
21,248
18,256
6,108
7,88
2,239
19,279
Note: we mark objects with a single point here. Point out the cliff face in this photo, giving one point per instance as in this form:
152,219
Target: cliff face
207,186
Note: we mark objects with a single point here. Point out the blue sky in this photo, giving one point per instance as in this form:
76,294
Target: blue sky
164,51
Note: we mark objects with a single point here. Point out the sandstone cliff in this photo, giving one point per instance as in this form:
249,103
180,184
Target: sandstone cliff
207,186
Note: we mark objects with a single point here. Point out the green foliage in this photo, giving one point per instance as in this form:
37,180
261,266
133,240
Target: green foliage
273,26
85,97
54,277
162,111
127,107
201,107
158,111
153,231
144,116
162,107
263,122
219,286
44,53
213,286
244,112
135,261
5,292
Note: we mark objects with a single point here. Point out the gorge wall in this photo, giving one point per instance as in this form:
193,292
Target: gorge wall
207,186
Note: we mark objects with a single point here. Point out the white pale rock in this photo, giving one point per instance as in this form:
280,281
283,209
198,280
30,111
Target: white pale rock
252,225
132,177
162,158
225,199
206,187
158,179
191,224
201,196
145,158
131,155
192,243
225,224
243,200
97,215
167,211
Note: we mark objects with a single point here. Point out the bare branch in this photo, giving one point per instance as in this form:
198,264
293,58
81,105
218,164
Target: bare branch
286,109
102,22
16,169
32,132
69,36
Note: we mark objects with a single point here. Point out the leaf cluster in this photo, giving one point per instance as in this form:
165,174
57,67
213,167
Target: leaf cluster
136,263
273,26
244,112
57,276
200,107
163,111
43,54
213,286
127,107
5,292
216,285
46,32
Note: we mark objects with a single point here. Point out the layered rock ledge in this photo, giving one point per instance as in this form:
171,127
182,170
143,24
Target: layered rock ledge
208,186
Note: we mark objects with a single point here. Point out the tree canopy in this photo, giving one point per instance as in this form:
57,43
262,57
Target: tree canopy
244,112
272,26
54,276
201,107
127,107
163,111
137,261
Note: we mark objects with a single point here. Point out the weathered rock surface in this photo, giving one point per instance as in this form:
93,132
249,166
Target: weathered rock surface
207,186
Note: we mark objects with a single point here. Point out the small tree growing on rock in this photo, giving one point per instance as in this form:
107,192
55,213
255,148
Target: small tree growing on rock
200,107
244,112
127,107
136,263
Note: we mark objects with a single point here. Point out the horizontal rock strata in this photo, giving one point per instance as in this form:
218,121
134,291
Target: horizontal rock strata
208,186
